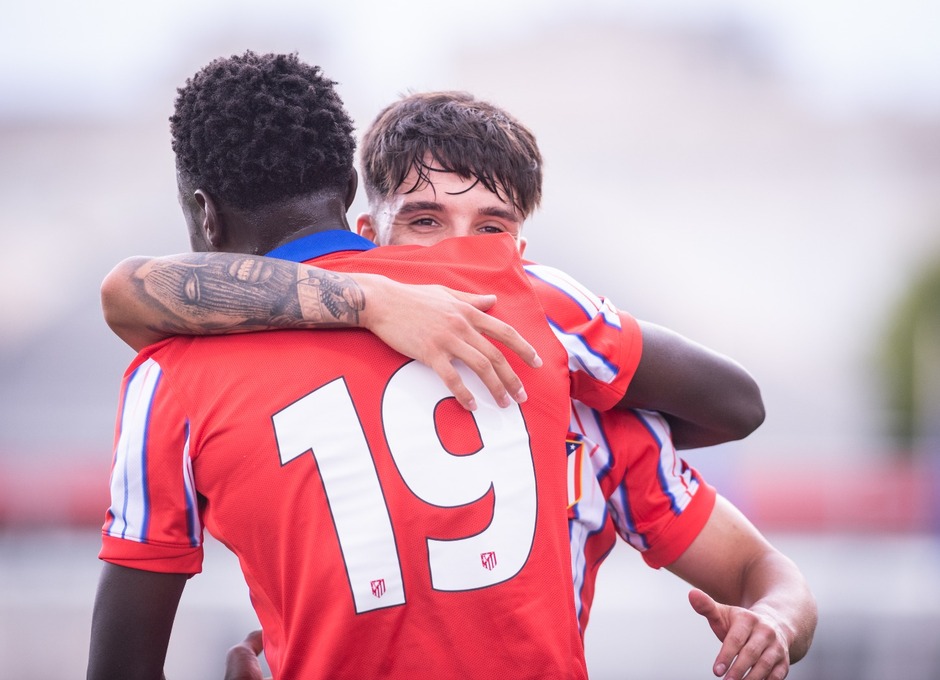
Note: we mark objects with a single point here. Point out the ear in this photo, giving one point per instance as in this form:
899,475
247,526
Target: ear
365,227
351,188
213,228
522,243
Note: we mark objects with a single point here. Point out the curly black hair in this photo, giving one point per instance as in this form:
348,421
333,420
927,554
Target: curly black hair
254,129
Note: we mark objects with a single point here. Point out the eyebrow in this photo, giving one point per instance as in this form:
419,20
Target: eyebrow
419,206
489,211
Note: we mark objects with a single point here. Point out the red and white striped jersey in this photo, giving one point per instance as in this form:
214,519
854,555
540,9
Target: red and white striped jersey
383,531
625,477
582,322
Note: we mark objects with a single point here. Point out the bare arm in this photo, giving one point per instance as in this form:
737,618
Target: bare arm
131,623
706,397
755,598
148,299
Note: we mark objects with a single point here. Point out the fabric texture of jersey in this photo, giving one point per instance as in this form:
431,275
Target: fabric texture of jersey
582,322
626,478
372,517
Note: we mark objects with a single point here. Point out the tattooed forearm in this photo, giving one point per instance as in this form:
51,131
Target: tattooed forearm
328,296
215,292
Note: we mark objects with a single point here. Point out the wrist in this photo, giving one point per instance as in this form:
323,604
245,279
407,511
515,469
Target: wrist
370,288
328,299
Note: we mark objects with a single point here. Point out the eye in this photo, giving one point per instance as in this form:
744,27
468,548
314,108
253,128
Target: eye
418,223
491,229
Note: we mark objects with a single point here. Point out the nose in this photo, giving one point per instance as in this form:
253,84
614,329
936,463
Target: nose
463,229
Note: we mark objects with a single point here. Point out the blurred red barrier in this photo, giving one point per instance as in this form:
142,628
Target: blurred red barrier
41,492
877,496
871,496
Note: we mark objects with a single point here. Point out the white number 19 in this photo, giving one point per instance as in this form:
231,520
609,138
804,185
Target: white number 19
326,423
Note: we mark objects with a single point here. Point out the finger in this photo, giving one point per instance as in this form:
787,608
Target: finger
493,369
496,329
447,373
780,671
732,653
481,302
761,657
704,605
508,379
509,337
763,669
241,662
754,667
255,641
753,648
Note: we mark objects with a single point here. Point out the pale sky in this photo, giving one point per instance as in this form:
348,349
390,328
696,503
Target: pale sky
94,56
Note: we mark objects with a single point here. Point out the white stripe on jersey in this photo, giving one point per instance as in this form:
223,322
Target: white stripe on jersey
578,535
590,510
676,483
585,421
192,515
129,502
581,356
588,301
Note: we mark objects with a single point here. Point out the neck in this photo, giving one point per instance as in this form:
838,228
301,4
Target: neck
273,226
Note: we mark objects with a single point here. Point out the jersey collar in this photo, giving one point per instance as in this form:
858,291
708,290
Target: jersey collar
322,243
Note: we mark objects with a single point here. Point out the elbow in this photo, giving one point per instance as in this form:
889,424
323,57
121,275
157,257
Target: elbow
108,306
803,639
118,302
748,412
112,291
753,414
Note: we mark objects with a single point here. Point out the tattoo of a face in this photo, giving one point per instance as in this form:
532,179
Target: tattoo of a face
214,290
244,288
337,294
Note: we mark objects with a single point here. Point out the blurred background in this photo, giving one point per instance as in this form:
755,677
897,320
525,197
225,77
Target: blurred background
762,176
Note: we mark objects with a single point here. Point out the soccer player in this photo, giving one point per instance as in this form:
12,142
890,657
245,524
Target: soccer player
624,474
626,479
381,532
428,175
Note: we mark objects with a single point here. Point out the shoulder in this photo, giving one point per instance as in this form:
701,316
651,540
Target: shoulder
162,371
553,282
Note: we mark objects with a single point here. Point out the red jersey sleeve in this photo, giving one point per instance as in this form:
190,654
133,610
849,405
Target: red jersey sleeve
659,503
624,477
603,344
153,521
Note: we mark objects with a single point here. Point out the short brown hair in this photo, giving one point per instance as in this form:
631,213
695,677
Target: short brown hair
463,135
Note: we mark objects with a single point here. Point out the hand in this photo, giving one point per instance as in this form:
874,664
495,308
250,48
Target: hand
751,642
437,325
241,662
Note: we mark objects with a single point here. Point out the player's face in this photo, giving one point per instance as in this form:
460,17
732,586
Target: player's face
445,207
